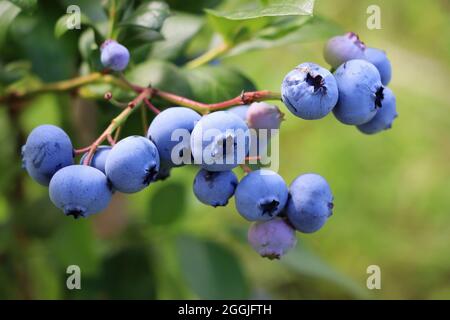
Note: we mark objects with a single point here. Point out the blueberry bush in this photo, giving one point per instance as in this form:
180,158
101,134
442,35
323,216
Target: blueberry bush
91,113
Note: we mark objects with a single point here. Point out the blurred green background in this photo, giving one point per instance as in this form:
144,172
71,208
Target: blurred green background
392,190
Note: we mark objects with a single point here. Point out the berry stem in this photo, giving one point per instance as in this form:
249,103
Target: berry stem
246,168
117,122
82,150
65,85
151,106
244,98
208,56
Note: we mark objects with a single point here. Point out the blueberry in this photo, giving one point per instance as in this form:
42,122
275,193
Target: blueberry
215,188
360,92
261,195
272,238
164,171
114,55
240,111
99,158
162,132
379,59
310,202
47,150
261,115
343,48
384,117
220,141
132,164
80,190
309,91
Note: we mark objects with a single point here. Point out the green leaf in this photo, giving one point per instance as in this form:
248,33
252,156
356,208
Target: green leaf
63,23
25,5
74,243
161,75
14,71
235,31
305,262
128,274
163,209
177,31
86,43
8,13
272,8
212,84
211,270
196,6
303,30
149,15
135,36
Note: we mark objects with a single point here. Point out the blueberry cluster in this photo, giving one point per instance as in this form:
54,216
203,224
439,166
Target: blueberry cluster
220,141
356,92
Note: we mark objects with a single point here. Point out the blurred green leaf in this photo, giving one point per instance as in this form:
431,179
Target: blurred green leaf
271,8
150,15
177,31
61,26
305,262
196,6
25,5
45,282
92,9
302,29
86,43
162,75
8,12
73,243
211,270
212,84
14,71
128,274
163,209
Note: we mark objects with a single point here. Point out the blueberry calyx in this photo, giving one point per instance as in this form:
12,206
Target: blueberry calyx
379,96
150,174
316,81
268,206
75,212
356,40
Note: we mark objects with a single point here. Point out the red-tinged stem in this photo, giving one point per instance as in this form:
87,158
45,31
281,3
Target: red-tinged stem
116,123
110,140
151,106
82,150
246,168
244,98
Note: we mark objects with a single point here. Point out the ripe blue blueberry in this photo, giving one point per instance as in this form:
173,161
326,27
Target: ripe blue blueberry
240,111
80,190
132,164
272,238
360,92
310,202
164,171
170,132
215,188
114,55
261,195
47,150
99,158
379,59
309,91
384,117
220,141
343,48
